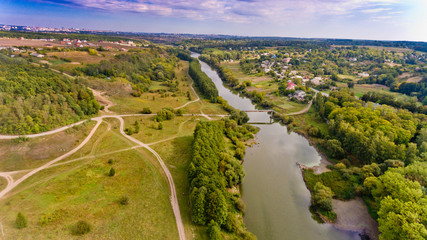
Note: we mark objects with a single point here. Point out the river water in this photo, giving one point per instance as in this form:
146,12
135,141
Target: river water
273,190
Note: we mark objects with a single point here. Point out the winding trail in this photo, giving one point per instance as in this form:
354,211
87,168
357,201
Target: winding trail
173,197
192,89
302,111
13,184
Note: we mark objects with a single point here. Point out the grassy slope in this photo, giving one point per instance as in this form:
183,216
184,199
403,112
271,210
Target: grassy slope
36,151
81,190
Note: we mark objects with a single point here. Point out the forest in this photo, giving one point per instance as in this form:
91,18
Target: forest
382,154
213,170
139,67
35,100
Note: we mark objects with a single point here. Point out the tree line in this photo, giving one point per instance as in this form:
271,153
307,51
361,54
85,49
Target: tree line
390,100
213,170
203,82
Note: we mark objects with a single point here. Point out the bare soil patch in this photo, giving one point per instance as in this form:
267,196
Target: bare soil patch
353,216
9,42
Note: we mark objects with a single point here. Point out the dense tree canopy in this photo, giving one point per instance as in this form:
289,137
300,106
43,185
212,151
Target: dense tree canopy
203,82
33,99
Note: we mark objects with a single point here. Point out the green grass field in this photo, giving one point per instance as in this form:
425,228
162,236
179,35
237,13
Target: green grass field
360,89
37,151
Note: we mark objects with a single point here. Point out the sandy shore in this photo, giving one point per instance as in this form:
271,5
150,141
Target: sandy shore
353,216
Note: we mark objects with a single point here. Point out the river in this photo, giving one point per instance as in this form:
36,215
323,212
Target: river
273,190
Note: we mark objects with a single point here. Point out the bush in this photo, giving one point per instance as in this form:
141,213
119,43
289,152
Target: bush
21,221
80,228
112,172
165,114
124,200
146,110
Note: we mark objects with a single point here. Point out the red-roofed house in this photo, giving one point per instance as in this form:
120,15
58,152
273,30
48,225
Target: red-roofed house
291,85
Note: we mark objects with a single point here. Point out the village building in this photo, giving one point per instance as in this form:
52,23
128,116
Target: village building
317,80
363,74
291,85
37,55
299,95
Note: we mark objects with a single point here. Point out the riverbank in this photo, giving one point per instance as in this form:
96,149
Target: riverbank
352,215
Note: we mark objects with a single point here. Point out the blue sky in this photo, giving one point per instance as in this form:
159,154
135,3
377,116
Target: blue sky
358,19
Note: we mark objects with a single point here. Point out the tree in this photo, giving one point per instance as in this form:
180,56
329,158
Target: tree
136,125
216,208
214,231
333,147
198,205
112,172
20,221
322,197
402,220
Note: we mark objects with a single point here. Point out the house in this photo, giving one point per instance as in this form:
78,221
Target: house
363,74
37,55
317,80
299,95
286,60
291,85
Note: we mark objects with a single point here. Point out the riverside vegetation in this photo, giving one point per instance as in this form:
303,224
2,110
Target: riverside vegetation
379,151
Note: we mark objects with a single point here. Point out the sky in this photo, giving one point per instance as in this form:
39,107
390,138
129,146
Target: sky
355,19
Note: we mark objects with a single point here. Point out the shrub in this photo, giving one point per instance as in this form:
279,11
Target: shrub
124,200
146,110
80,228
21,221
112,172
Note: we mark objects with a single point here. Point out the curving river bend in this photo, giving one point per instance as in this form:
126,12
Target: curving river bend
273,190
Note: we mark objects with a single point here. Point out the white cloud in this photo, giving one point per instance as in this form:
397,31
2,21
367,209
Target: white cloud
375,10
239,11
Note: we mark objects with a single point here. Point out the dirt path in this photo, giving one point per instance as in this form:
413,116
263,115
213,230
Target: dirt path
302,111
4,137
13,184
102,99
192,89
173,198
